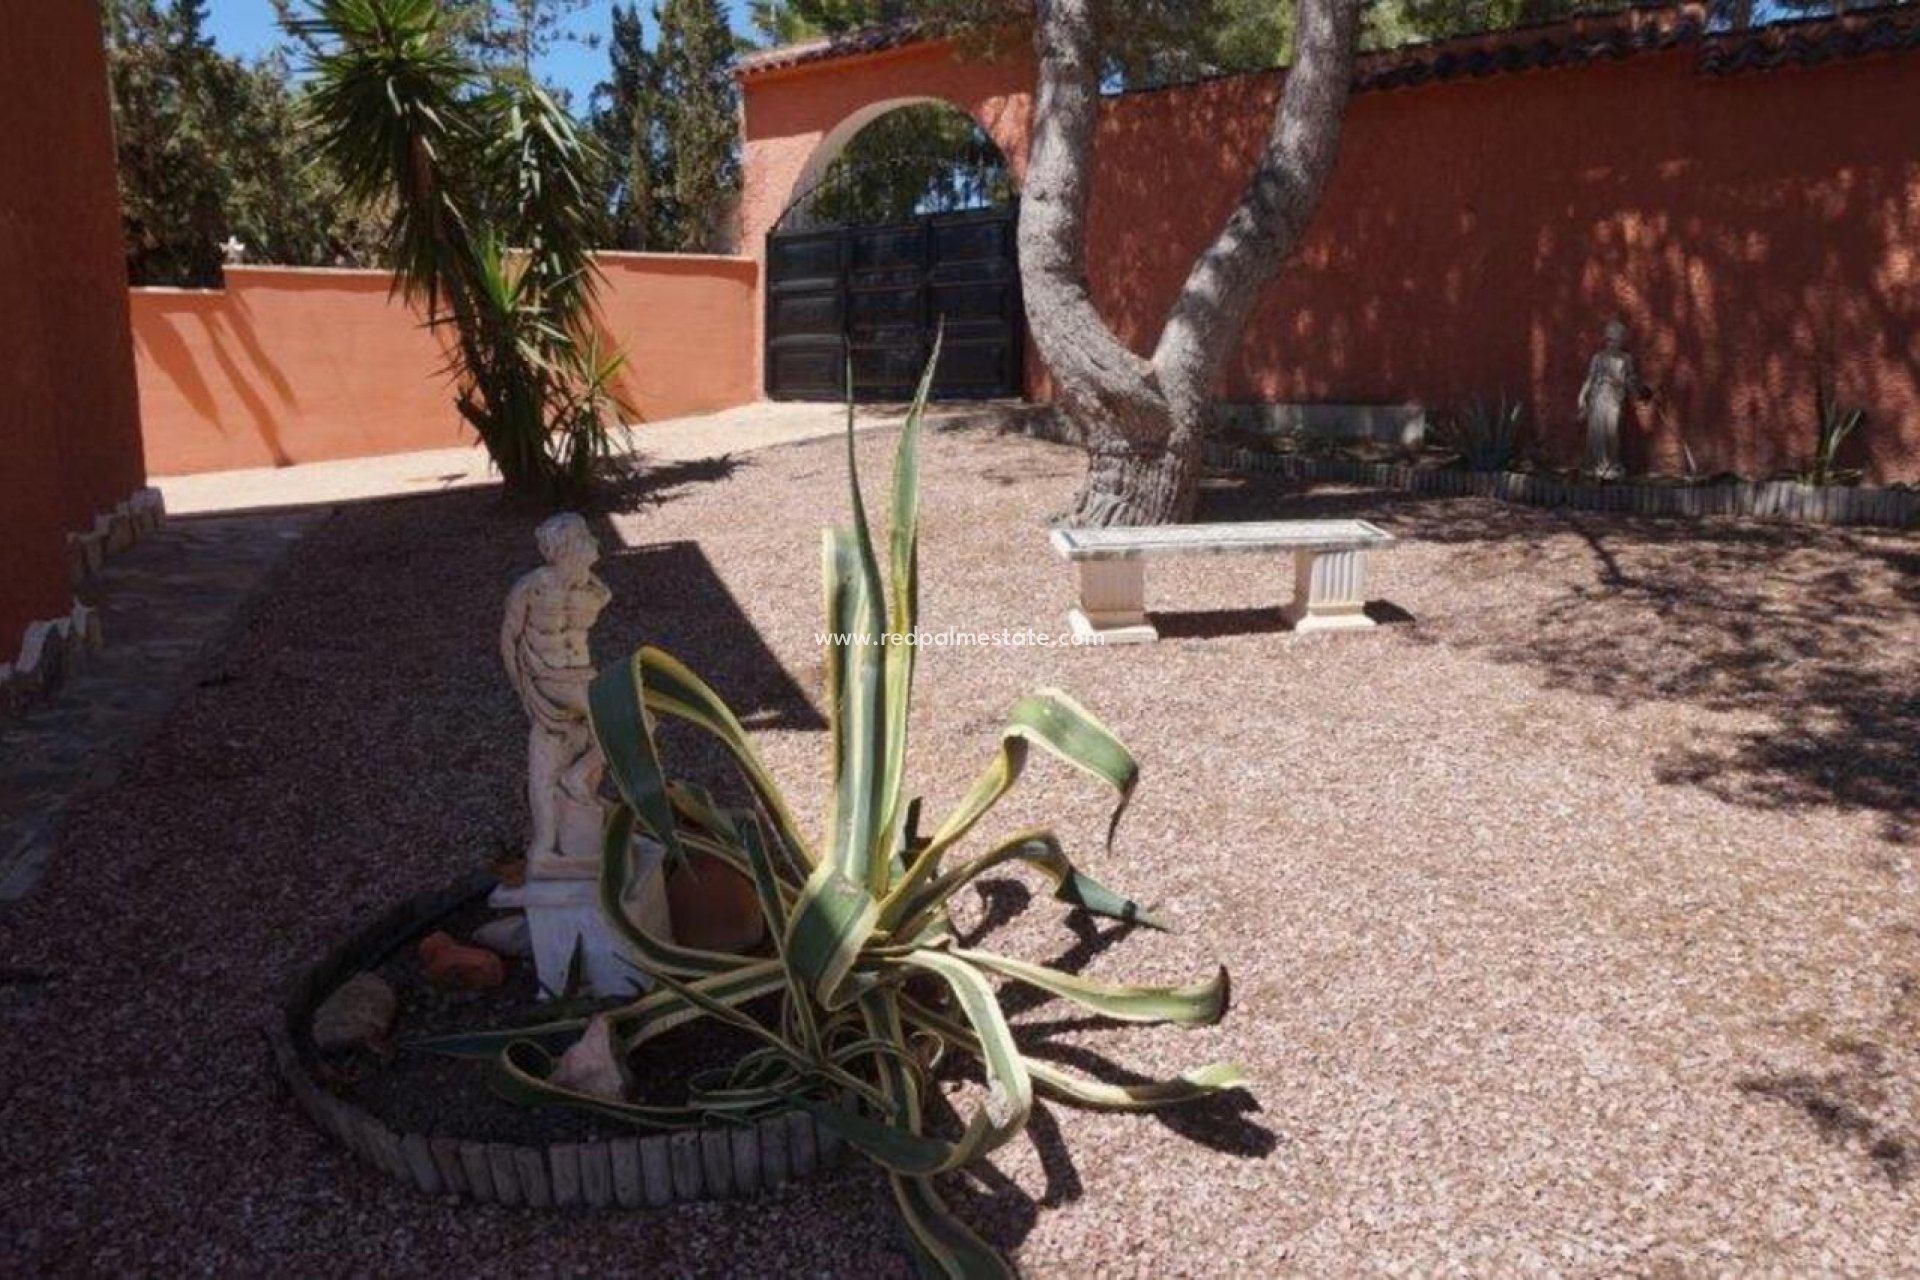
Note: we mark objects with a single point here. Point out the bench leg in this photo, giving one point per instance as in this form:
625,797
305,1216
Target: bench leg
1113,603
1329,591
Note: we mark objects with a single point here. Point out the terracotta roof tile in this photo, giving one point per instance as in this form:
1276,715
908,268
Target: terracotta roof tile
1574,42
851,44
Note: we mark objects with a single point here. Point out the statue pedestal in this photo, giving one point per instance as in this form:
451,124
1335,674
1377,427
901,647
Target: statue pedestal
564,913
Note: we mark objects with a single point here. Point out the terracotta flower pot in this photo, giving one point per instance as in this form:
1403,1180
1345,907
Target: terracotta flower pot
714,907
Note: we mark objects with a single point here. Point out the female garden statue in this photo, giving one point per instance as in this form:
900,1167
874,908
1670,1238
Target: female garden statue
1611,378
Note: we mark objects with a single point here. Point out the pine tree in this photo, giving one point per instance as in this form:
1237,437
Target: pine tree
699,116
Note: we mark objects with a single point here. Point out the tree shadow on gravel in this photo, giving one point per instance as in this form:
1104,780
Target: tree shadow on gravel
1802,636
1857,1102
637,483
995,1204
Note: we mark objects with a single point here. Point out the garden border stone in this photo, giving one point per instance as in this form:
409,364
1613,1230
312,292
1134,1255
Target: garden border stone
629,1173
1785,500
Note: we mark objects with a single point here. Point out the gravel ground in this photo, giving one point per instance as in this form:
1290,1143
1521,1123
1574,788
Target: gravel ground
1572,924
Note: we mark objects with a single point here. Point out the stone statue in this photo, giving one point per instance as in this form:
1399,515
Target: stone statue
544,643
1611,378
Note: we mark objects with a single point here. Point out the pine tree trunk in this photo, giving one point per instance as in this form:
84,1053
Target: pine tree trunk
1148,474
1144,418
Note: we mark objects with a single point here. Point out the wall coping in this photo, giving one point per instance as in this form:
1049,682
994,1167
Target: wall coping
265,270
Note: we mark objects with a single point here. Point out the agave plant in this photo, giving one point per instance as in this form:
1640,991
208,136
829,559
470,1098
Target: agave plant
871,984
491,228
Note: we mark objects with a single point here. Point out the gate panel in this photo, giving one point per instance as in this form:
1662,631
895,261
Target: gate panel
806,316
874,296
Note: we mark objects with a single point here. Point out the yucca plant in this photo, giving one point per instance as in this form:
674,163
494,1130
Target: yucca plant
871,985
1485,433
491,229
1833,425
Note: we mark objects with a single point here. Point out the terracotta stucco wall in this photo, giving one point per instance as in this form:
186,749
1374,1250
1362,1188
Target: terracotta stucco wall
284,366
69,424
1751,230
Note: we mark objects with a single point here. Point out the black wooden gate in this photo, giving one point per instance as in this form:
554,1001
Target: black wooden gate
875,295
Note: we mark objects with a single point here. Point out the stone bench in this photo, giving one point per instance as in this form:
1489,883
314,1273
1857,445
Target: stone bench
1330,570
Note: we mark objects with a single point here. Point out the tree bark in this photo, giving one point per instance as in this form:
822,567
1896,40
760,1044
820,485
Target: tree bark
1144,418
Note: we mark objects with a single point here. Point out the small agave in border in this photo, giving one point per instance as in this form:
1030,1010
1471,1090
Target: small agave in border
858,917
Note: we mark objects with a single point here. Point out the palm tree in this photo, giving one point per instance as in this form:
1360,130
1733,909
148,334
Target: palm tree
492,222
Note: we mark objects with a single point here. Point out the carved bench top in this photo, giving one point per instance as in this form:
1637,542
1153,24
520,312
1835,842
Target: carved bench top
1247,538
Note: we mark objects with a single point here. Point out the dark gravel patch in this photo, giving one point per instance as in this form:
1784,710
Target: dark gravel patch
1563,919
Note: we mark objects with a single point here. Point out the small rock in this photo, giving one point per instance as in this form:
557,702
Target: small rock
359,1012
455,964
595,1064
507,936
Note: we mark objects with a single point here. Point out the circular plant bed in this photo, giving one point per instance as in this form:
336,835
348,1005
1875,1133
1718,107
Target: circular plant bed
432,1123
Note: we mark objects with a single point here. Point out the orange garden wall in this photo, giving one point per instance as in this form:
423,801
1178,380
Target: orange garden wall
1476,238
69,415
285,365
1477,235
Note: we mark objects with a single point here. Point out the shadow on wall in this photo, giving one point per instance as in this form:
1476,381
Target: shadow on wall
228,337
1802,639
1476,239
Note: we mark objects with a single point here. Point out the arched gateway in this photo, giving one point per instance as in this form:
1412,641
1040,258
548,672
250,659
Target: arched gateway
882,218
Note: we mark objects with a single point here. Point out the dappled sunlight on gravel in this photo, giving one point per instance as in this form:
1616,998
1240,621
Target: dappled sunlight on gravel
1574,924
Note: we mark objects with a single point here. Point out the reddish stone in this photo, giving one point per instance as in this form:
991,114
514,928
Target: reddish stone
455,964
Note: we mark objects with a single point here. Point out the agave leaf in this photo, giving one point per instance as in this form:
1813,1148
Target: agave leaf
831,923
667,1009
1083,1091
1040,850
1059,726
903,537
652,1015
520,1074
1196,1085
767,887
942,1240
900,1147
856,694
1200,1004
671,689
1009,1089
616,701
896,1143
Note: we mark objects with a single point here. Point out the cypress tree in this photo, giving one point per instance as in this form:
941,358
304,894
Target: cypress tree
699,117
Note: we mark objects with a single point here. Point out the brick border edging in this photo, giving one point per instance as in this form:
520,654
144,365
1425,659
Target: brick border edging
627,1173
51,649
114,531
1787,500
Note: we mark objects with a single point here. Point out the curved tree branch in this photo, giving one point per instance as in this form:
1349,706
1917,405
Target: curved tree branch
1203,326
1095,371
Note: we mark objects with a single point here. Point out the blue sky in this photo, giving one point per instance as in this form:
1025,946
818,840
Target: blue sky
247,27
